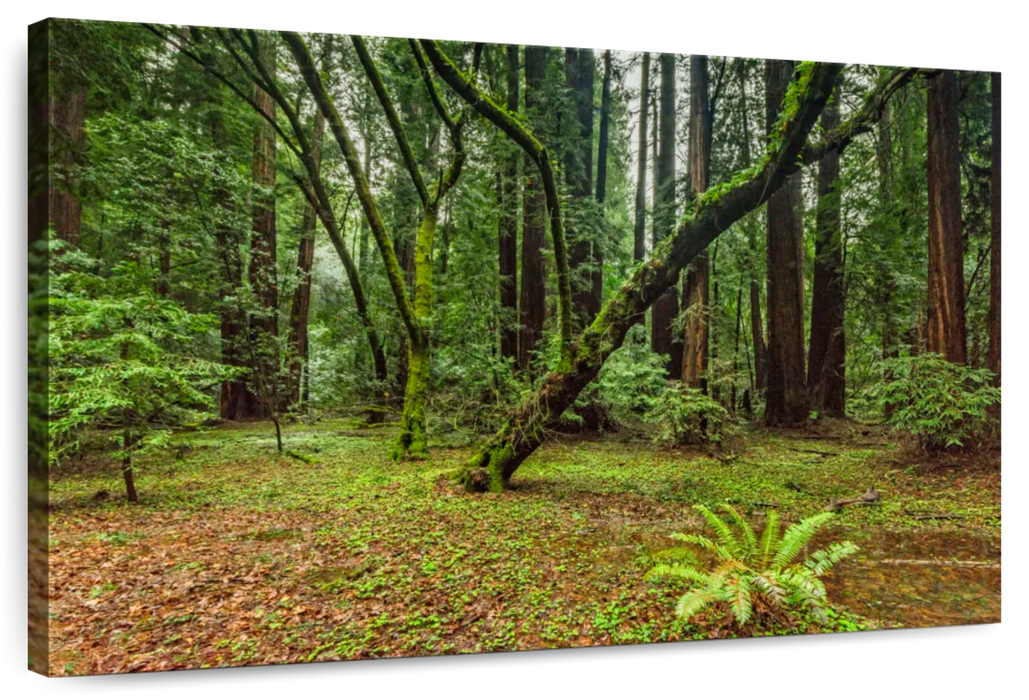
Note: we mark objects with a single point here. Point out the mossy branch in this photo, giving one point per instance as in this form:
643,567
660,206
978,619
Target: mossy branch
392,118
312,77
454,128
466,88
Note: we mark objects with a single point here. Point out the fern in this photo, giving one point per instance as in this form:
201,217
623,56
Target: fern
796,538
725,534
746,566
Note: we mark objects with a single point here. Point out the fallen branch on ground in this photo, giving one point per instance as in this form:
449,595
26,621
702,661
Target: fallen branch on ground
939,562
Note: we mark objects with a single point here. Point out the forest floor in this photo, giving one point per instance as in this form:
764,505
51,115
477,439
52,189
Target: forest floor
238,556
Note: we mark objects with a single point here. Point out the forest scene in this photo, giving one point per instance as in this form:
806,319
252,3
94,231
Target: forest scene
359,347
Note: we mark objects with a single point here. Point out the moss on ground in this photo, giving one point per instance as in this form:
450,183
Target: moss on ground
236,555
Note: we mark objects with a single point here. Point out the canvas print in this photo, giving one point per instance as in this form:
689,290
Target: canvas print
352,347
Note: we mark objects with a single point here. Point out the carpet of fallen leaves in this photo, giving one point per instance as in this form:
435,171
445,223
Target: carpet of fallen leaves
238,556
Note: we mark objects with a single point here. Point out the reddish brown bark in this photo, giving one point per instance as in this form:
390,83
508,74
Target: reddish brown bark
297,341
994,356
786,400
696,287
579,77
946,327
826,377
533,301
264,323
757,328
666,309
69,121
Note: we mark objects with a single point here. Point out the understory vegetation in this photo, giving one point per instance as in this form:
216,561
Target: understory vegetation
349,347
237,556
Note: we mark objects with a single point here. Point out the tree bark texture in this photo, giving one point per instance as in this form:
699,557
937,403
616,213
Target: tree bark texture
640,223
696,286
508,226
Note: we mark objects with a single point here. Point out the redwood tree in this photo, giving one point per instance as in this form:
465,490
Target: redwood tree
298,318
696,286
533,309
264,321
68,116
507,247
579,78
827,351
666,309
640,223
786,400
994,357
946,327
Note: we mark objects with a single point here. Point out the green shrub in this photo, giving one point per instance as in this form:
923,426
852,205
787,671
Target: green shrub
943,403
748,567
687,416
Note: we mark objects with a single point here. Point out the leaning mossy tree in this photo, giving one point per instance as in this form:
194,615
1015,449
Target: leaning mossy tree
707,217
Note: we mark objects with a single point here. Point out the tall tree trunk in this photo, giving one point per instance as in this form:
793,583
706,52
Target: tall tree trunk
264,323
597,252
667,307
786,401
640,227
696,286
887,284
994,356
533,301
508,233
233,394
69,120
297,342
757,328
946,328
579,78
827,351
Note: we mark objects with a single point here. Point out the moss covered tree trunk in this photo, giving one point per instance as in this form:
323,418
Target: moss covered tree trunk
412,440
493,465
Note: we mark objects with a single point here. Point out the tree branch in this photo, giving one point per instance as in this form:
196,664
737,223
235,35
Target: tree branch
392,118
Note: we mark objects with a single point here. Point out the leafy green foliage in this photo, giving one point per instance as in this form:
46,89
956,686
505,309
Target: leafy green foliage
749,568
687,416
121,355
944,404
